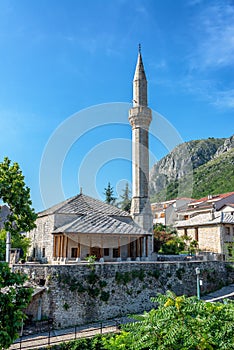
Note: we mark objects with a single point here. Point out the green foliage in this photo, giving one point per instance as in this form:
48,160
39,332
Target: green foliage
126,277
16,195
92,278
66,306
125,202
155,273
180,272
109,194
105,296
179,323
14,298
17,241
166,240
93,286
91,261
213,176
95,343
123,278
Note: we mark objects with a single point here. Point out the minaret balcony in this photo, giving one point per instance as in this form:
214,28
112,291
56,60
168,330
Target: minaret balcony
140,117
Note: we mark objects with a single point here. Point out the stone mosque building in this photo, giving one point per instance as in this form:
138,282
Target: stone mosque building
81,226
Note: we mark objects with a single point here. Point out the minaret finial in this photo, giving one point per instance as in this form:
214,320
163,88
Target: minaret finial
139,48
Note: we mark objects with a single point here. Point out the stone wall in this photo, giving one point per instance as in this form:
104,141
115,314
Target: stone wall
81,293
42,246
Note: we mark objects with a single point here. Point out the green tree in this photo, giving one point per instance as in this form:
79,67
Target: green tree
125,202
109,193
14,298
17,241
179,323
16,195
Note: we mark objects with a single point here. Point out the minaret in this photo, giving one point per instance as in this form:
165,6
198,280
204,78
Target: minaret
140,118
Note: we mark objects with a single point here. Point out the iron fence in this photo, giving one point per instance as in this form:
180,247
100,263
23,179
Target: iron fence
55,336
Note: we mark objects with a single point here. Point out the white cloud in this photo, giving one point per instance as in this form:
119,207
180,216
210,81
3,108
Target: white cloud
214,28
224,99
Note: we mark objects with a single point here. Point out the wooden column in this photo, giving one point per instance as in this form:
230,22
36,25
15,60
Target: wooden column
129,250
55,247
66,246
62,245
78,247
59,245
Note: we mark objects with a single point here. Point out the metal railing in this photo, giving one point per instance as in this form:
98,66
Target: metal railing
55,336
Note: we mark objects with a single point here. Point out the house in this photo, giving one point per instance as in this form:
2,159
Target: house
206,205
83,226
165,213
213,231
209,221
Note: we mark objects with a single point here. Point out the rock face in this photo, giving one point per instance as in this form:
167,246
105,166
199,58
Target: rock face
225,147
183,159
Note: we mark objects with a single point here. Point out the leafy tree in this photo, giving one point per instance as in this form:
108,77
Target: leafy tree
179,323
166,240
17,241
16,195
109,193
14,298
125,203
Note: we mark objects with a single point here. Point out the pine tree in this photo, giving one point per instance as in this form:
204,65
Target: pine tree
125,203
109,193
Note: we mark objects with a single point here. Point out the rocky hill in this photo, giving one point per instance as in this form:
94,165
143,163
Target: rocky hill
194,169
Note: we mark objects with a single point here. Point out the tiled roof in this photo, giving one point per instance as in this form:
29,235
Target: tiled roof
205,219
214,197
82,204
95,222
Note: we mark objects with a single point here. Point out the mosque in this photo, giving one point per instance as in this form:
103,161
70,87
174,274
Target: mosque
82,226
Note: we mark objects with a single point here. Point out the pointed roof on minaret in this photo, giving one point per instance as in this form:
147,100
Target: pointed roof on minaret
139,83
140,71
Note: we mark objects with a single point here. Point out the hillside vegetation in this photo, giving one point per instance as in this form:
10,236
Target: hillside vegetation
194,169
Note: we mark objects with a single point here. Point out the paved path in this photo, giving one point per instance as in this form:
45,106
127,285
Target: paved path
220,294
60,335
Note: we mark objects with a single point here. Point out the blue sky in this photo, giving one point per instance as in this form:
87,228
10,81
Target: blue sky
58,58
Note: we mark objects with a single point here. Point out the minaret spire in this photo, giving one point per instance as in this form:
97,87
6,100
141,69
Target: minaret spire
140,119
139,48
139,83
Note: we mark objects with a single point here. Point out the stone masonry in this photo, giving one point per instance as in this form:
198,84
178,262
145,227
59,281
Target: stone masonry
140,117
81,293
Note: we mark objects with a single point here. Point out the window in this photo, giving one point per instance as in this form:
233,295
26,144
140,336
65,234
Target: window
186,232
34,252
227,230
43,252
186,217
74,253
115,252
106,252
162,215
